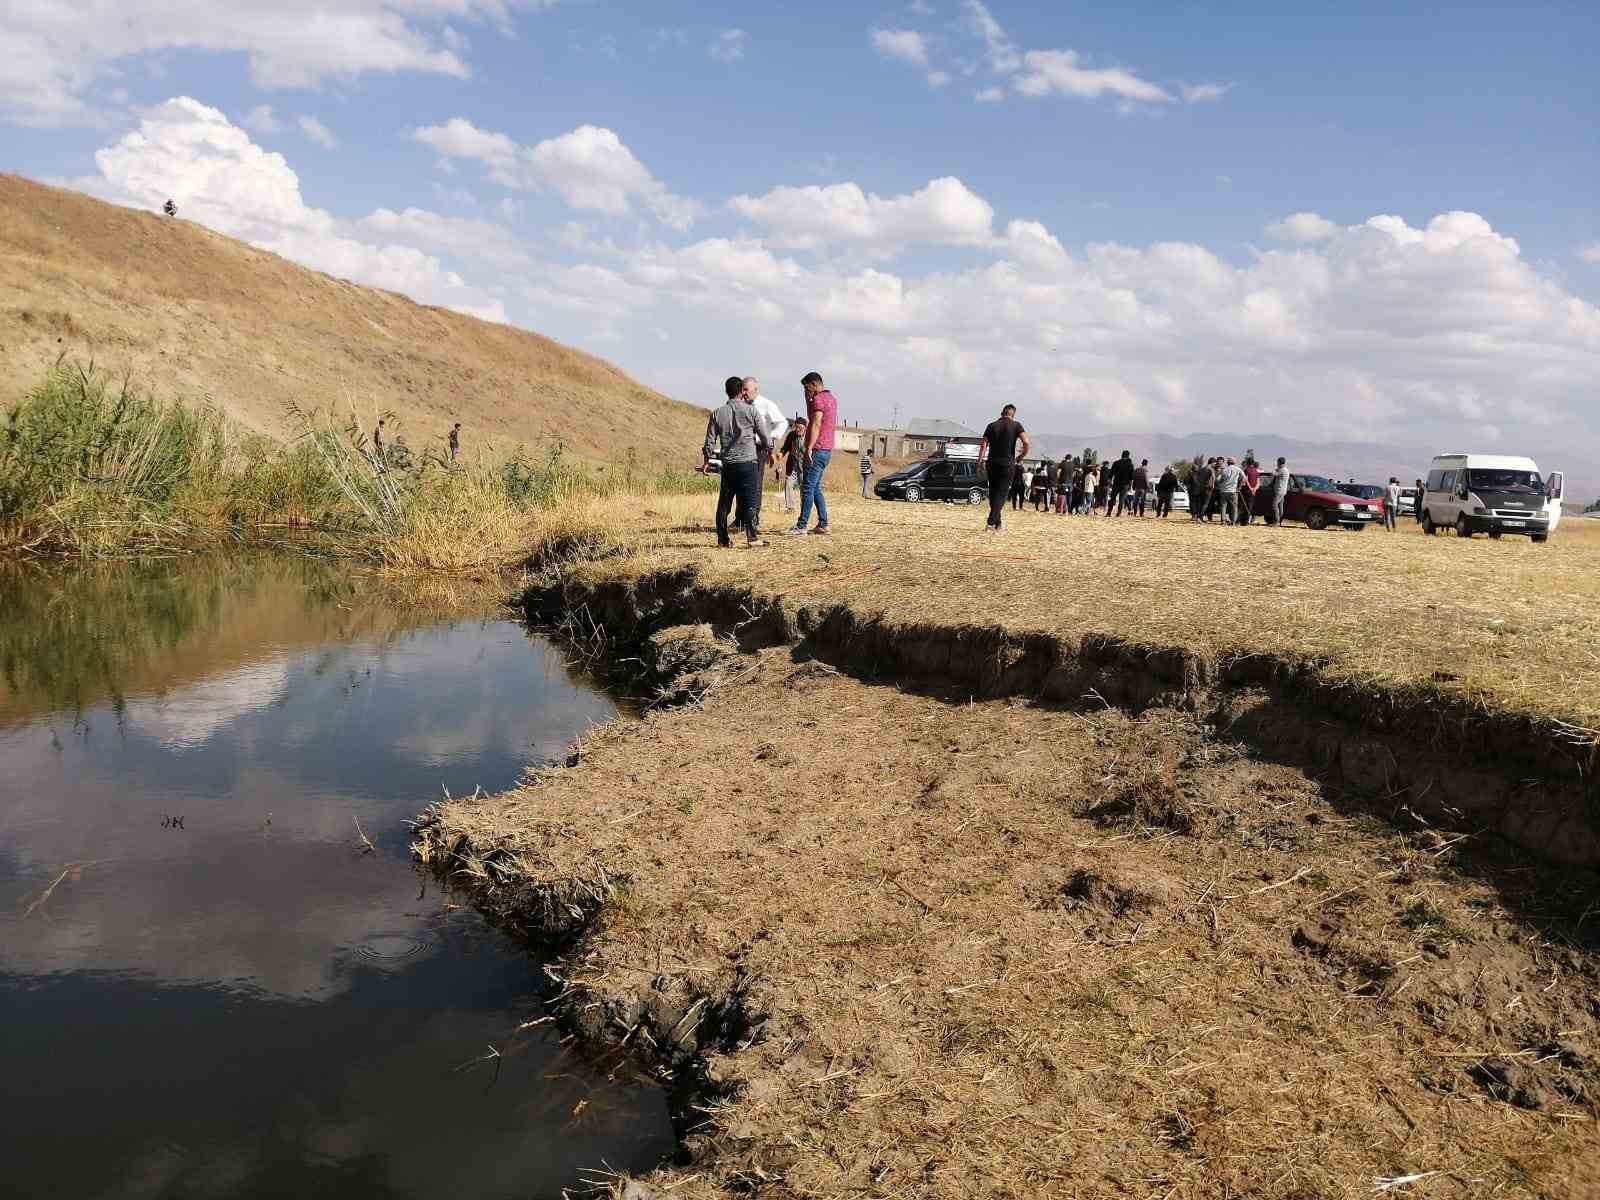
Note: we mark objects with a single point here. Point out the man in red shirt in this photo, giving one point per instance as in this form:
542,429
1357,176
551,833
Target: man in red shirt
822,414
1247,493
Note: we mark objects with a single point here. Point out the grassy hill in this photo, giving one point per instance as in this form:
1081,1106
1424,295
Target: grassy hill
194,315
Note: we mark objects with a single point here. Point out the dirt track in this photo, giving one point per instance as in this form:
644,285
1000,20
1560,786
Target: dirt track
919,944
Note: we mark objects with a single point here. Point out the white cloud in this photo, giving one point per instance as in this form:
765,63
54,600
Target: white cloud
261,119
220,178
1060,72
921,7
1396,331
1590,253
316,131
938,79
1001,52
729,45
54,52
945,212
1201,93
1302,227
464,237
989,95
588,167
906,45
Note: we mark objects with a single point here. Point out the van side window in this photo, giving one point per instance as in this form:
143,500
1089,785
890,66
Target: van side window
1447,482
1435,481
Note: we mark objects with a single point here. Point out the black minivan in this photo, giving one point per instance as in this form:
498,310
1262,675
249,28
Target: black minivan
935,479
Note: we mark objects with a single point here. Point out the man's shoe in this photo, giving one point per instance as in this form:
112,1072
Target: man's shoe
797,531
820,530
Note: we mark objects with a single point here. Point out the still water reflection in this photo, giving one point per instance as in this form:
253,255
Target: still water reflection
207,986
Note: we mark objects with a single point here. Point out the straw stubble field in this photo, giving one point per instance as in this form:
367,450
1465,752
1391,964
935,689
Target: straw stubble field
904,941
925,946
1505,624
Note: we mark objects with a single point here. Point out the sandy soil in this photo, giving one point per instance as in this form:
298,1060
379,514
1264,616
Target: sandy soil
922,945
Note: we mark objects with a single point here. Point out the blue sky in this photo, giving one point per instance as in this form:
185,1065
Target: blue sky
631,178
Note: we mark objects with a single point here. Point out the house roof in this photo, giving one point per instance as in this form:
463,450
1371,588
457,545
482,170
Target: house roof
938,428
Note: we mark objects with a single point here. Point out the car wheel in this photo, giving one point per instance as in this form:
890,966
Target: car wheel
1461,527
1494,535
1316,519
913,494
1428,527
976,496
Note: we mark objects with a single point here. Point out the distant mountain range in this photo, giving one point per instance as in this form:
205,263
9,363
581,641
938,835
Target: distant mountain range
1365,462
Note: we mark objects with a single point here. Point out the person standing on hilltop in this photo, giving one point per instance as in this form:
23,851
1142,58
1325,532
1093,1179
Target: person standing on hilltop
454,440
378,444
822,413
1004,441
735,435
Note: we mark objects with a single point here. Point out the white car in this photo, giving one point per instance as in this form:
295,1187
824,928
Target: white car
1180,499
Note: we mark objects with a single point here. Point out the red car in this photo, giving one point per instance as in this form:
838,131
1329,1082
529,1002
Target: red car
1319,504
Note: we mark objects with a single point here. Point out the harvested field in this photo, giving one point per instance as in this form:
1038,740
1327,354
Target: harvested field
1097,859
1504,626
901,944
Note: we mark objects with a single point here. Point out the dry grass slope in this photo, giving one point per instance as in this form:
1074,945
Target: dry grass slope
194,315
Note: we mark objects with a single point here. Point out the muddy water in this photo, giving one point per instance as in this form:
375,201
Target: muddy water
208,986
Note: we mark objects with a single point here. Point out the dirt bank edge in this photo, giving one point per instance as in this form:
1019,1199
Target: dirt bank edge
1417,753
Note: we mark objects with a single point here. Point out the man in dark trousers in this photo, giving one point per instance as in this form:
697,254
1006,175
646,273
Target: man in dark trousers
1165,486
736,435
1004,441
455,440
1141,486
1121,481
1205,479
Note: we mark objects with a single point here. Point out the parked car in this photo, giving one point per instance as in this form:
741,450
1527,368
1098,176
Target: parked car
1317,502
1180,499
936,479
1495,494
1408,502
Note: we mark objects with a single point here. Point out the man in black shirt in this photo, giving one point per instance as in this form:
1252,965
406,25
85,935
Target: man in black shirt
1121,481
1004,441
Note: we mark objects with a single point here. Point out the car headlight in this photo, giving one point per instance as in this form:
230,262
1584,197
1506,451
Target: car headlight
1347,508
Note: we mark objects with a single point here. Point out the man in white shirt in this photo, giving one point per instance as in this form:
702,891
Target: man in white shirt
768,413
1391,503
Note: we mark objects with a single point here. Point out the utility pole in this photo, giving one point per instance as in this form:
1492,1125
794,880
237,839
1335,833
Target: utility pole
894,417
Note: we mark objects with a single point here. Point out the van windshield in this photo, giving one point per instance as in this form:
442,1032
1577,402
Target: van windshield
1485,479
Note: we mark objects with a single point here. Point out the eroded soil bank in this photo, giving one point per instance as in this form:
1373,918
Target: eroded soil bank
1124,940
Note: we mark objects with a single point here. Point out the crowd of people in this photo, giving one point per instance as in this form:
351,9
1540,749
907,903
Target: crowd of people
1218,489
750,433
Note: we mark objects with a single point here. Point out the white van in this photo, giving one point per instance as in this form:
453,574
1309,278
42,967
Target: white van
1495,494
